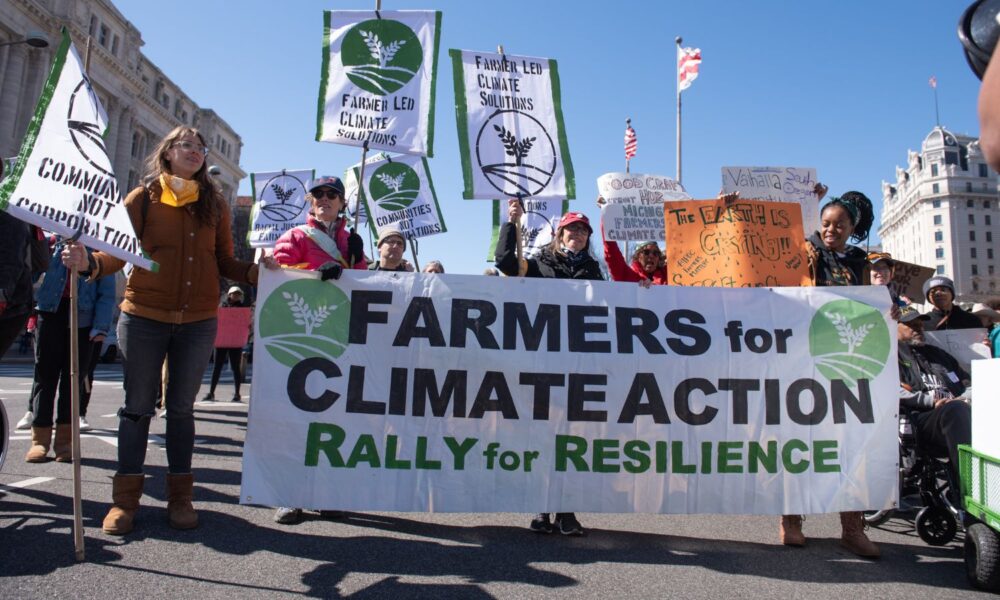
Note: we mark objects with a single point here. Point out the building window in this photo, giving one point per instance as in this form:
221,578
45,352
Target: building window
93,25
939,253
975,269
973,253
937,219
968,187
940,269
938,236
935,189
951,158
993,285
972,236
989,269
989,236
114,45
135,146
989,254
975,286
102,37
986,204
989,221
934,170
982,171
972,219
935,203
969,204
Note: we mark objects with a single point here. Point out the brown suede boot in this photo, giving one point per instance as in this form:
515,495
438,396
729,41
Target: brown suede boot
791,530
180,491
41,439
125,493
853,537
63,446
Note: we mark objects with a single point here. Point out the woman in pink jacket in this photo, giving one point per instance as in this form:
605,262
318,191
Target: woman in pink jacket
324,242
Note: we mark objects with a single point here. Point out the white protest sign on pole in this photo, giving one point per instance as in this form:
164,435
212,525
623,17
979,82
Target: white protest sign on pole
511,134
458,393
777,184
966,345
538,223
351,189
633,208
398,192
63,180
378,76
279,204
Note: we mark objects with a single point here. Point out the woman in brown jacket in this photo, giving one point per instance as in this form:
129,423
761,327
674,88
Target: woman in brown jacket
183,224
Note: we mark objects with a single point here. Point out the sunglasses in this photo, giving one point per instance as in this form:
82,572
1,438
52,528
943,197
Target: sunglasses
191,146
326,193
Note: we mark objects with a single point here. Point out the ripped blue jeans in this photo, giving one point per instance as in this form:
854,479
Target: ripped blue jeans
145,344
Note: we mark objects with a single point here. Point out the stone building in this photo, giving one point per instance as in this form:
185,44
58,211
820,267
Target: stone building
141,101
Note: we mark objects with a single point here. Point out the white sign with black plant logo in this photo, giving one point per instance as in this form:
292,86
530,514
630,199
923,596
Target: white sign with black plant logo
538,223
377,82
511,133
63,180
279,204
398,192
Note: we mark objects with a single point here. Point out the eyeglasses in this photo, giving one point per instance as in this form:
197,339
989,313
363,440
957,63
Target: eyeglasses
321,193
648,251
187,146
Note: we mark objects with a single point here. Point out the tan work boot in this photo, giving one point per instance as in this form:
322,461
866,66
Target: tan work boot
125,493
63,446
41,439
180,491
791,530
853,537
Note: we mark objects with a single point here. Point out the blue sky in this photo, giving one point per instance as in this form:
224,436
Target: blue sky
842,87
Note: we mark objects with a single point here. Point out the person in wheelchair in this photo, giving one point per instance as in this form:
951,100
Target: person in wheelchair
932,385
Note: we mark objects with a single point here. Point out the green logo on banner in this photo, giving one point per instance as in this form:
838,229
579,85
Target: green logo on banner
303,319
394,186
381,55
849,341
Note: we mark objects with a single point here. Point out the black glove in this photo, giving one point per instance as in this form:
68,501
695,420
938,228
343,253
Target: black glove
355,248
330,270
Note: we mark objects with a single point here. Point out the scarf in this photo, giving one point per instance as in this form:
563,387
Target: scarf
178,192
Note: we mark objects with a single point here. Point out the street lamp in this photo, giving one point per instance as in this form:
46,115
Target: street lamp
35,39
214,170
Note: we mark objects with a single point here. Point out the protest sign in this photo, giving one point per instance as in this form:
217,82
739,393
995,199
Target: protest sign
966,345
511,133
985,408
633,208
409,392
378,76
234,327
398,191
777,184
351,190
908,280
63,180
742,244
279,204
538,223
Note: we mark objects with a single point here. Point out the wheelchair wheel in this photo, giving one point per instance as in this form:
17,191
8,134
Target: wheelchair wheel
936,526
874,518
982,557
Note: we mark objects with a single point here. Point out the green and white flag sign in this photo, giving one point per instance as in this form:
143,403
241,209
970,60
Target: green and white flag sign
398,192
351,189
63,180
511,133
377,80
279,204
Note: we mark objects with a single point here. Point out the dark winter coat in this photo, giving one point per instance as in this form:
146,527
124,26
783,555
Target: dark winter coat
544,264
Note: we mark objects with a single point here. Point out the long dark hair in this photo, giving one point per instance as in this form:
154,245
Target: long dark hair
210,202
859,209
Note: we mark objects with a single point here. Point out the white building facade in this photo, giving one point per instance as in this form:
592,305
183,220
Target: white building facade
142,103
942,212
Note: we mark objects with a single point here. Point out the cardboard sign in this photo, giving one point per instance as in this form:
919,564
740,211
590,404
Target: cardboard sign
234,327
633,210
743,244
777,184
908,280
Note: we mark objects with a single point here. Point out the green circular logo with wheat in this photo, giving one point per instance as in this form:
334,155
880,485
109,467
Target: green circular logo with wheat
849,340
381,55
303,319
394,186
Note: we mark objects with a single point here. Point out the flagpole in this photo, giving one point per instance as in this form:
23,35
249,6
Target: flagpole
679,41
628,123
937,117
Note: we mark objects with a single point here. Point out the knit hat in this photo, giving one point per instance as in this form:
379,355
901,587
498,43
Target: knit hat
938,281
387,233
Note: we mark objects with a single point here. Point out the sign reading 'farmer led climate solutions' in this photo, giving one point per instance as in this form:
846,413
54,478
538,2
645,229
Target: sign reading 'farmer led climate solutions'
377,82
510,127
409,392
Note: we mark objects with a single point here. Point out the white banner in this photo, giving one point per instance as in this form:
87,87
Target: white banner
378,77
410,392
538,223
966,345
398,192
279,204
633,208
778,184
511,133
63,180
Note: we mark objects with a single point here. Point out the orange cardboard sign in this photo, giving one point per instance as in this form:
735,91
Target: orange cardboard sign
234,327
748,243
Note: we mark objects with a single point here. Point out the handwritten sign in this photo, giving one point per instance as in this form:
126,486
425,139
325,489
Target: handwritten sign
744,244
633,210
234,327
777,184
908,280
966,345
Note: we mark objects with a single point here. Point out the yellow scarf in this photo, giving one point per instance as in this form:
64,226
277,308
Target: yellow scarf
177,191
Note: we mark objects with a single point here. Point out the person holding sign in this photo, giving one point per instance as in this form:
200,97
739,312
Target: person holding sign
567,257
169,312
234,299
833,262
324,242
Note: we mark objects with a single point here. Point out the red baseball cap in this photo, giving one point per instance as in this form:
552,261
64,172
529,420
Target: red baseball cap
575,217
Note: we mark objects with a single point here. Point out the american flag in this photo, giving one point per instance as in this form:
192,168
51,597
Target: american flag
630,143
933,82
688,60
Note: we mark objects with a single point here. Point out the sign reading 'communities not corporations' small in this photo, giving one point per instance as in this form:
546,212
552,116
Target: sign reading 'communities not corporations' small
398,192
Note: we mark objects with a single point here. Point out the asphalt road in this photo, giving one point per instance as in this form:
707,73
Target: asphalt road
238,551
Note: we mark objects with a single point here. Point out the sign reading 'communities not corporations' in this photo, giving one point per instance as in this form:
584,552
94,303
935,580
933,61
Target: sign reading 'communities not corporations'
279,204
63,180
410,392
398,192
377,84
511,133
633,207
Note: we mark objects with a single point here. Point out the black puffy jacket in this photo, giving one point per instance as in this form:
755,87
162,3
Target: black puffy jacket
544,264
